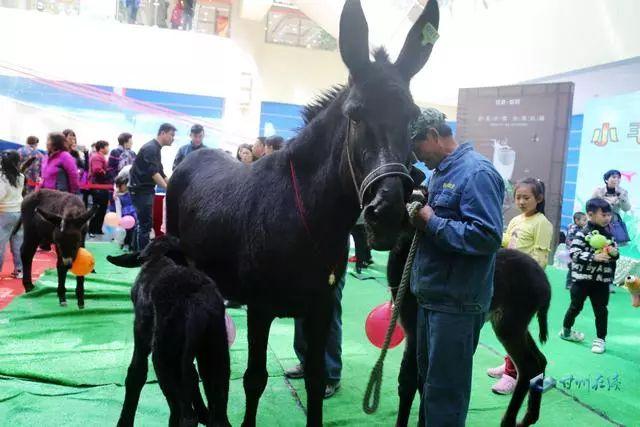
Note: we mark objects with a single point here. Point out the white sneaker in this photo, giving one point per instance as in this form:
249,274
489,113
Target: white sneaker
574,336
496,372
597,346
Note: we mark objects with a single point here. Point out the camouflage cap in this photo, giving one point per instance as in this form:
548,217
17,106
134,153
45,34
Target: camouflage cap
429,118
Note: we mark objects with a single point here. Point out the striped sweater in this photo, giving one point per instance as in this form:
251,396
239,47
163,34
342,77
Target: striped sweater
583,267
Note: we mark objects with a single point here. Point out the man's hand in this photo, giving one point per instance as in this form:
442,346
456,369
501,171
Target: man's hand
601,257
420,219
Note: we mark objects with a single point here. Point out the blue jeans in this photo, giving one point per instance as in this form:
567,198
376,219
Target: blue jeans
333,353
143,202
8,221
445,347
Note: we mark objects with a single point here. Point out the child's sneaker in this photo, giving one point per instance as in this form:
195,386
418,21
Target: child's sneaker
597,346
573,336
506,385
496,372
17,274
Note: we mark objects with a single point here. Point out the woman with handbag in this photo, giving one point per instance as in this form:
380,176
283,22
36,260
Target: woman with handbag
618,198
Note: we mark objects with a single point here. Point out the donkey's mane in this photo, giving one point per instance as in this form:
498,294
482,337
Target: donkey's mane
322,101
380,55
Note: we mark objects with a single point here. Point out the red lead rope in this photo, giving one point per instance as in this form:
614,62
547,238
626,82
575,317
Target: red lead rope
298,195
303,215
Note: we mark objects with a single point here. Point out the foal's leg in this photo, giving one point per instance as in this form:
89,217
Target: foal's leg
168,373
137,373
518,349
62,278
316,330
80,291
215,369
255,377
27,252
198,403
535,396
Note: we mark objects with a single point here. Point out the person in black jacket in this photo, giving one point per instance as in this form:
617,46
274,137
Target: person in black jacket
145,174
592,271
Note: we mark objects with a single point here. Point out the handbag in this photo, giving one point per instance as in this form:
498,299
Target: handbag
618,230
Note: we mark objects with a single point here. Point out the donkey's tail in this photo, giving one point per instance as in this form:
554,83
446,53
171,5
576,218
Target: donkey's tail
542,318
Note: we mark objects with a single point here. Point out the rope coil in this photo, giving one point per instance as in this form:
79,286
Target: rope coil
371,399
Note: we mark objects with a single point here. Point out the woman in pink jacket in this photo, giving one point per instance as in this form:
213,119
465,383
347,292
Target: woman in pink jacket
99,174
59,170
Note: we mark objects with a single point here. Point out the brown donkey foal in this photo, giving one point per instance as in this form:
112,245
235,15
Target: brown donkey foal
51,216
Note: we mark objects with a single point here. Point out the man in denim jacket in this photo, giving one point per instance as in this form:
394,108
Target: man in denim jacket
452,275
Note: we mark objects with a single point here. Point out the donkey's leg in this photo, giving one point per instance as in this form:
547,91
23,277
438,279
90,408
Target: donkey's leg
215,369
408,375
62,278
535,396
27,252
198,403
80,291
518,349
255,377
316,331
168,373
137,373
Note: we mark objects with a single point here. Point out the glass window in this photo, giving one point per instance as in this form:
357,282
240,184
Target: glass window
213,17
291,27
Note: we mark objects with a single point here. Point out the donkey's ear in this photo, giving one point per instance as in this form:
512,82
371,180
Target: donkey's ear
131,260
354,38
49,217
83,219
419,43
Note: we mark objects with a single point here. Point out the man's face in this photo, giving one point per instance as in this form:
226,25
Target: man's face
258,149
197,138
429,150
127,145
166,138
600,218
268,149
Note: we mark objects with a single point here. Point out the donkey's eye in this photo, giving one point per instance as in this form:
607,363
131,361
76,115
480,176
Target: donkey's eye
355,115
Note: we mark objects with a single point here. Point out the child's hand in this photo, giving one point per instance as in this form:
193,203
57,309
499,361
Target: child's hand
601,257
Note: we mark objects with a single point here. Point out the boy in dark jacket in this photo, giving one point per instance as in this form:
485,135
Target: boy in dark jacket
592,270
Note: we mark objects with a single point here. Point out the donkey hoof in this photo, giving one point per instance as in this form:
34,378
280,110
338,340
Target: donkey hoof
63,303
81,306
28,287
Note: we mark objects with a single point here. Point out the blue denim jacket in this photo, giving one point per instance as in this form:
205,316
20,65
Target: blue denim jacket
454,265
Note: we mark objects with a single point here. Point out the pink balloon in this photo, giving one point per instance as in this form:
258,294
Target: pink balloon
377,324
231,329
111,219
127,222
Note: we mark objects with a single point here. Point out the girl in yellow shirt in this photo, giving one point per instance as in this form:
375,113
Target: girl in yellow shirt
530,232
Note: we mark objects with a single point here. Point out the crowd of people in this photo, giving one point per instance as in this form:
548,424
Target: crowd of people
181,16
117,180
462,224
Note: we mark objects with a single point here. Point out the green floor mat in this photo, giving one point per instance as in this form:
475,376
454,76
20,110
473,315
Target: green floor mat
64,366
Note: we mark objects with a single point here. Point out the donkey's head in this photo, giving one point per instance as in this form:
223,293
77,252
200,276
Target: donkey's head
69,230
379,108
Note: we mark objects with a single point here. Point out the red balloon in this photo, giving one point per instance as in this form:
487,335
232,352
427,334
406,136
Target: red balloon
377,324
